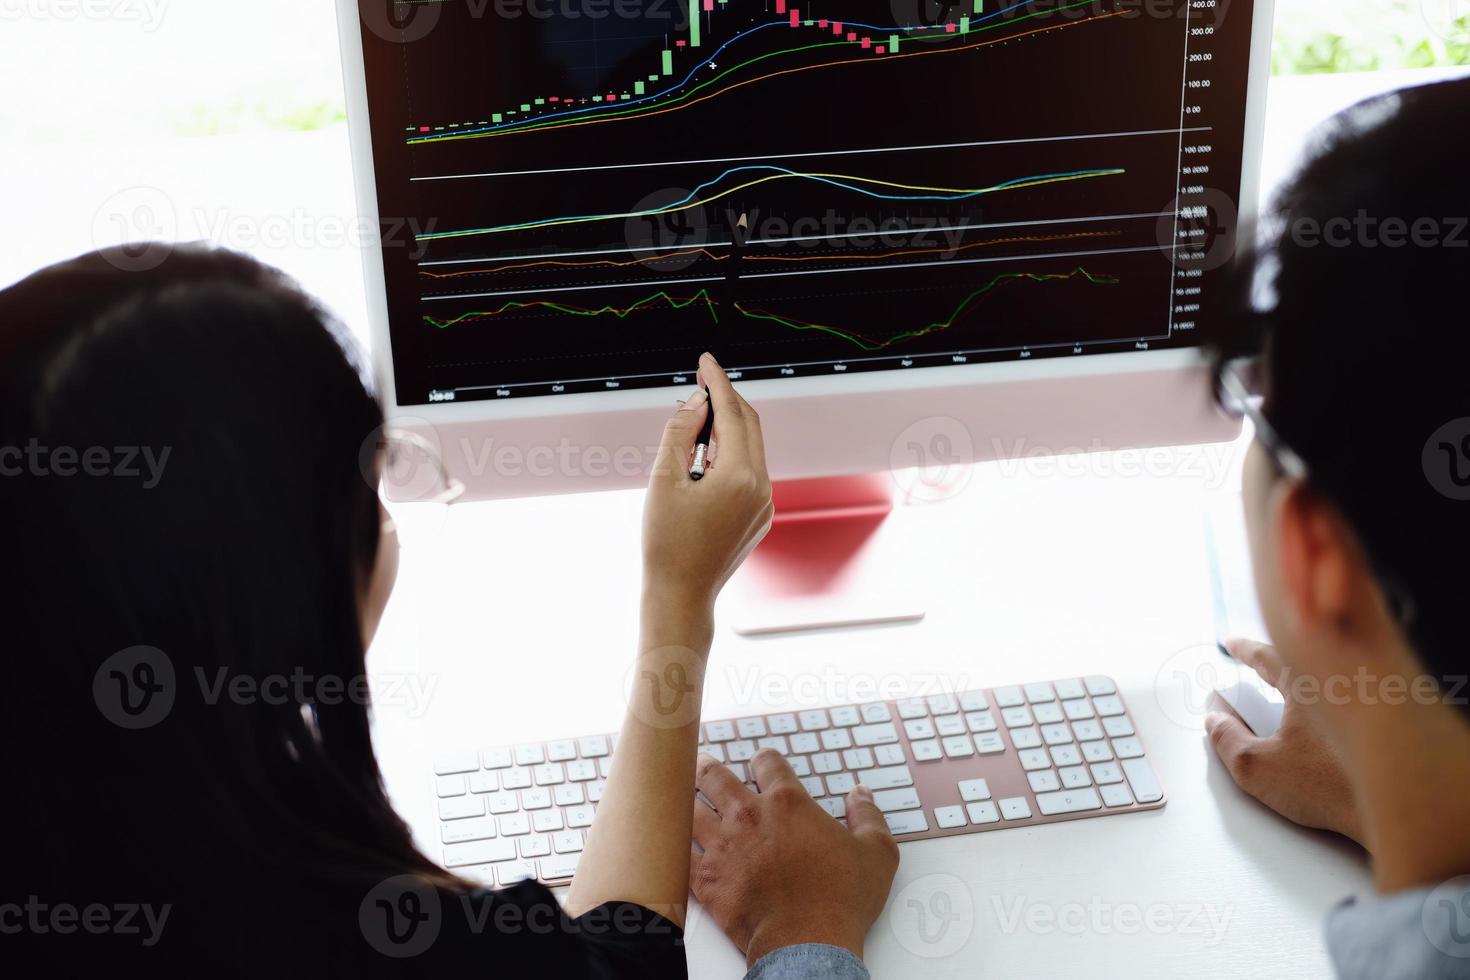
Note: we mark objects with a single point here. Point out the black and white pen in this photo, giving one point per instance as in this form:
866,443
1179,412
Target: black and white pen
700,465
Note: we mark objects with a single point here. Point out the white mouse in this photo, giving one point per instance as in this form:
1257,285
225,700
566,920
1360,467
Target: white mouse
1258,706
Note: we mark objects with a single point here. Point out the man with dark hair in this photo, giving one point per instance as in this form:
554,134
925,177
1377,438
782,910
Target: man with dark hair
1357,496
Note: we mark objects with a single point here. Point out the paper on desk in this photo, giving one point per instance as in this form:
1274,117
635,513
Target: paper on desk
1237,613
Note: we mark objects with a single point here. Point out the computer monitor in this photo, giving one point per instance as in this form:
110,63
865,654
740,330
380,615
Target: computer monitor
972,228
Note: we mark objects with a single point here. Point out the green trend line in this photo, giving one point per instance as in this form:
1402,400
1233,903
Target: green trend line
705,300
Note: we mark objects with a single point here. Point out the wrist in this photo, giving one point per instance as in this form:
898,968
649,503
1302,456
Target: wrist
769,937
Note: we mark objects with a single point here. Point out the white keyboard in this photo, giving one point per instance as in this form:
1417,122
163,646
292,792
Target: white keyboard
939,765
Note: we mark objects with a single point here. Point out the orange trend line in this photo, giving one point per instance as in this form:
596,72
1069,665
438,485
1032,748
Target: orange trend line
885,60
771,258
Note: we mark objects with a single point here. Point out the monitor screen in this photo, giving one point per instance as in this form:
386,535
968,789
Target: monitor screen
583,195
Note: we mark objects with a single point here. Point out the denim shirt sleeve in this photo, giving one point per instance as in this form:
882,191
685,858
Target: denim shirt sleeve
810,961
1423,935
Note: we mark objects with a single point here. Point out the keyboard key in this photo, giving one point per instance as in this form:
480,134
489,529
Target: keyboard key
857,759
595,791
498,758
958,747
886,778
580,816
980,721
805,743
1074,777
875,734
1127,748
1098,684
1034,759
1117,795
950,725
1071,688
917,728
473,828
911,822
825,762
504,801
559,866
986,743
478,852
561,750
1009,697
813,786
1108,706
581,770
545,821
974,789
889,800
1025,738
1056,734
835,805
460,807
777,742
1066,755
982,813
449,786
1043,781
714,750
567,841
1016,717
973,701
1107,772
929,750
1079,709
451,764
889,755
593,746
1015,808
1037,693
531,754
1047,714
846,717
510,872
484,782
876,711
1118,726
782,724
1146,788
840,784
836,738
800,764
949,817
535,799
516,778
550,774
568,794
514,824
604,766
1086,731
912,708
719,731
535,845
741,750
813,720
1096,751
751,727
943,704
738,769
1068,801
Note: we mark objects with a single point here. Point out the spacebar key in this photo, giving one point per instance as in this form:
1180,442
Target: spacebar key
1068,801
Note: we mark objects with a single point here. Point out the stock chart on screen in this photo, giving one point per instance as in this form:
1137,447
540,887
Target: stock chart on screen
581,195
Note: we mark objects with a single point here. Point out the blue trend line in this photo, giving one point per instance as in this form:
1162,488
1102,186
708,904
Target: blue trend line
431,138
694,194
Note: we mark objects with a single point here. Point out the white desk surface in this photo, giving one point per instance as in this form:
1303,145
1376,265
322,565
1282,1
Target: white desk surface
524,618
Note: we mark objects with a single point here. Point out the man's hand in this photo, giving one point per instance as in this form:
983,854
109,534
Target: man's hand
776,870
1294,772
697,532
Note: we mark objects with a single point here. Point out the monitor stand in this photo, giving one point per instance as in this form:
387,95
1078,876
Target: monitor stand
832,559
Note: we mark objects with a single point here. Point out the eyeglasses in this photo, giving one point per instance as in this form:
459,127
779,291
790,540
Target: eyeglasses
1237,401
415,486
